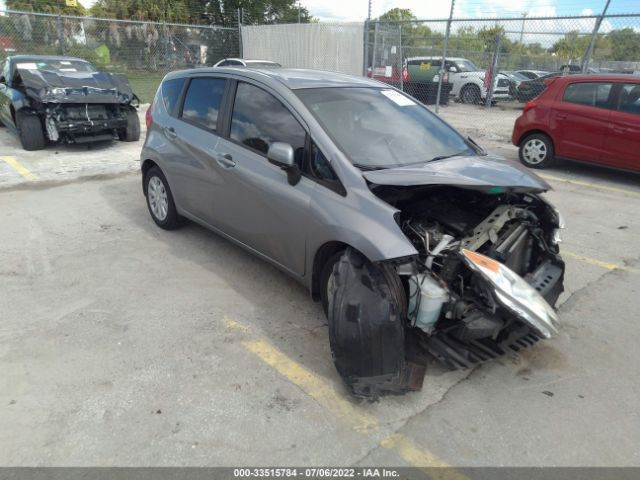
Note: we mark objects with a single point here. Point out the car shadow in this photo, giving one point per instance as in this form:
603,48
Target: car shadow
275,307
595,173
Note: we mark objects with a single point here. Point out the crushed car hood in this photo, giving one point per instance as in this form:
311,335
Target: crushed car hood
76,87
476,172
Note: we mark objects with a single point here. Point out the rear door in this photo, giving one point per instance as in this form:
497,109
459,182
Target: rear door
579,120
194,132
261,209
622,144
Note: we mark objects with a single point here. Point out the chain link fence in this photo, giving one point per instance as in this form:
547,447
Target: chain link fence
144,51
493,66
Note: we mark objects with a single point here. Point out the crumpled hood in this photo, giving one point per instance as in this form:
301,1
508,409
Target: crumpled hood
477,172
77,87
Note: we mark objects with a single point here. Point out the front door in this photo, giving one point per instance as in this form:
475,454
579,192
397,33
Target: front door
622,144
261,209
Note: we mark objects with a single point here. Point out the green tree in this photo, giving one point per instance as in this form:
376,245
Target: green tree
396,14
624,44
45,6
165,10
573,46
215,12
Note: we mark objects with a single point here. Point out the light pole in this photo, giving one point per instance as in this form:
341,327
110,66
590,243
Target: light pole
444,56
587,55
365,63
524,16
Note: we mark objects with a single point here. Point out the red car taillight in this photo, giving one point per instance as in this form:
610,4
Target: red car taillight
147,117
528,106
405,74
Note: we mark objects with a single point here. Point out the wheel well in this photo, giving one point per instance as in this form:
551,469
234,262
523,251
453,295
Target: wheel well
533,132
146,166
324,253
469,85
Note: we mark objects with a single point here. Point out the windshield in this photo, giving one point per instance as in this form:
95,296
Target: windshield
61,66
516,76
466,66
382,128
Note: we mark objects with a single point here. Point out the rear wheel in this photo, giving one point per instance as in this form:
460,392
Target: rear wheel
160,200
132,132
536,151
30,131
470,94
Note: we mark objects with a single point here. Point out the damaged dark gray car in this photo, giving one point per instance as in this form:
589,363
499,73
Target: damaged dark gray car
65,99
416,241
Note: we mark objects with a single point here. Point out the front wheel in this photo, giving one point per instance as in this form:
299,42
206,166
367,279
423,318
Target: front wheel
470,94
366,311
536,151
30,131
160,200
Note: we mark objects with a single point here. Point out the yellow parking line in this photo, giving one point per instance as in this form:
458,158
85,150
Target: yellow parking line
598,263
18,167
420,457
596,186
335,402
321,391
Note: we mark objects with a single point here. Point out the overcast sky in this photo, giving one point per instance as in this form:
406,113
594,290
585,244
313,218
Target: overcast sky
356,10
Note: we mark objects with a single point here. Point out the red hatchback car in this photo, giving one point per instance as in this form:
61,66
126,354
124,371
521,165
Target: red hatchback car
590,118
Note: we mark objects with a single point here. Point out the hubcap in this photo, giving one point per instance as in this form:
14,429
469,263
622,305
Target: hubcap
534,151
158,200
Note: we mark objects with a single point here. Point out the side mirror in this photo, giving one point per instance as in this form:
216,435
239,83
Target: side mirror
282,155
453,69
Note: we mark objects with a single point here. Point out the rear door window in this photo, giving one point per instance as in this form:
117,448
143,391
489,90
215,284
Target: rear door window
171,90
629,100
202,102
259,119
592,94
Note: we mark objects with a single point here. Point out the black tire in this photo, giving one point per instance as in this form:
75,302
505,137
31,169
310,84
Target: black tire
536,151
366,312
171,220
326,272
470,94
132,132
30,131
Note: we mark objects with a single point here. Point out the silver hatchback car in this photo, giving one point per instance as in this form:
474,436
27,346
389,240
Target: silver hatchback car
416,241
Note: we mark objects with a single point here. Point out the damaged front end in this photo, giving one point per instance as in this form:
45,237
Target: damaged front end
79,107
484,281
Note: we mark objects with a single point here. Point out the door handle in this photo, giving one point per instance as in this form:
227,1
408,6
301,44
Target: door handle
225,160
619,129
561,116
170,132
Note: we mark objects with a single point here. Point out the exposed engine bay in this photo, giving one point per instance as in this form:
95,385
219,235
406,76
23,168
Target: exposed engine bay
75,122
484,282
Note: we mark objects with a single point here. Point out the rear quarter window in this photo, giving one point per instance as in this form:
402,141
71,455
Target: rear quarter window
171,90
592,94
